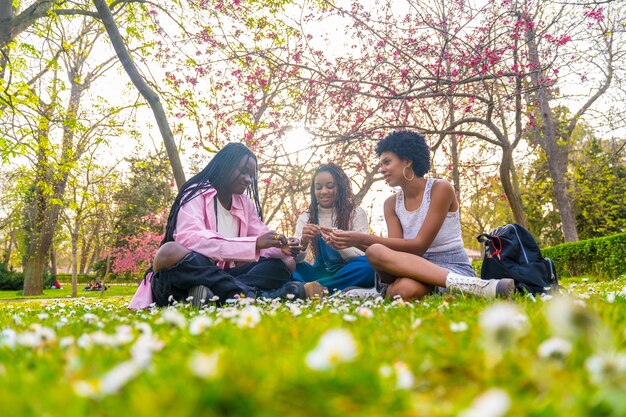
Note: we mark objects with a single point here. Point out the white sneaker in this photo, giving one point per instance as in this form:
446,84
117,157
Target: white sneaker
488,288
362,292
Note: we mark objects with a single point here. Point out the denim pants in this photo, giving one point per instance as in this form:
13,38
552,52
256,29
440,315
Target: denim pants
196,269
330,270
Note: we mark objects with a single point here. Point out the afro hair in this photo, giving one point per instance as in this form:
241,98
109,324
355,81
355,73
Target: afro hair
407,145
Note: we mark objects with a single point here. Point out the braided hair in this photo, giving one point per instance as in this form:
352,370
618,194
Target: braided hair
344,203
216,174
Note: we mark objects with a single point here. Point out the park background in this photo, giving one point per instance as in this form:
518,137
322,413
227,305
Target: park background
107,106
521,103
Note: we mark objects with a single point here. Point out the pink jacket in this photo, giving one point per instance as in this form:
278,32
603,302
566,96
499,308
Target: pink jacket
195,230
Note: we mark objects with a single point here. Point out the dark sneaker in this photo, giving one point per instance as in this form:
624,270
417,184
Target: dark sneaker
201,296
380,286
291,290
505,288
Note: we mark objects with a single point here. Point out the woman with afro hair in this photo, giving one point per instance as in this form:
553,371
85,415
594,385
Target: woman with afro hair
423,252
332,205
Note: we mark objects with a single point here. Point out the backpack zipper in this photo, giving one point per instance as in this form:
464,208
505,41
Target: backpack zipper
520,244
552,276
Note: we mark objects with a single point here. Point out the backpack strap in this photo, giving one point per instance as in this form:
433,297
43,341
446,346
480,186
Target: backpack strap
495,241
483,237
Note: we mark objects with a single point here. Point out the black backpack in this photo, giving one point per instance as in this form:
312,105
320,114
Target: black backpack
512,252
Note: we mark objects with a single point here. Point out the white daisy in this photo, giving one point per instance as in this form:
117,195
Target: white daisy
205,366
365,312
606,367
404,376
554,348
568,318
199,324
334,347
174,317
493,403
249,317
458,327
502,323
117,377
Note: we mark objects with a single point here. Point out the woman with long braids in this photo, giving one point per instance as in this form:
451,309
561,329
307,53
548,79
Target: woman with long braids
216,243
423,252
332,205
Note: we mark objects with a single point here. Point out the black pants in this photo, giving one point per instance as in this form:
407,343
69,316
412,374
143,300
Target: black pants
196,269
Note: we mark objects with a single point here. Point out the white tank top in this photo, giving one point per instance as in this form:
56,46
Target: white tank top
449,236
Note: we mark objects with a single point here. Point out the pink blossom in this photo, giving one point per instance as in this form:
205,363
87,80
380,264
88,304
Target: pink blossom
563,40
595,16
137,254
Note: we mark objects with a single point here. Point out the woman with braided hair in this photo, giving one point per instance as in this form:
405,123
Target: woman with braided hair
333,206
216,243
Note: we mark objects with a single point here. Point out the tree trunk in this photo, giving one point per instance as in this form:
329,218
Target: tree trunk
6,256
39,239
37,213
510,187
45,209
556,153
454,154
151,97
74,261
6,17
84,253
11,25
92,260
562,195
34,268
107,269
53,262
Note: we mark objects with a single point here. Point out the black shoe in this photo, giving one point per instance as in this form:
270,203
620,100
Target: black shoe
380,286
291,291
201,296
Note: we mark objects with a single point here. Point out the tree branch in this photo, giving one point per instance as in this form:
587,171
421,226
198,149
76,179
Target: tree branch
150,96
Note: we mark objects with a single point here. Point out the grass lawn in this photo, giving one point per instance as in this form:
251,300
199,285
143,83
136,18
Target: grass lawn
66,291
443,356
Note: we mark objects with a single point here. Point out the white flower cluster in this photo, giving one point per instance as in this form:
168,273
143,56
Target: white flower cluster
570,321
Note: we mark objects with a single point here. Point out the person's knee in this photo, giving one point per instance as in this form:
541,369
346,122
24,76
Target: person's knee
167,255
407,289
290,263
280,269
376,254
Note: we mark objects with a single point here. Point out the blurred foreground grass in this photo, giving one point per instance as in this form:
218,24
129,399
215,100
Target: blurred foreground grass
450,355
